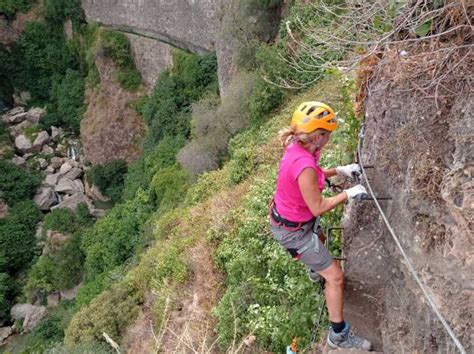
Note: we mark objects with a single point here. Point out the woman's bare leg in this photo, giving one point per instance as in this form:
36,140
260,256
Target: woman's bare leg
334,291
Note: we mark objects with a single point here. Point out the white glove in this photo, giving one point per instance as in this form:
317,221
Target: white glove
357,192
348,170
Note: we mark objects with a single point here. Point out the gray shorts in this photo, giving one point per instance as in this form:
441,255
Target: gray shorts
304,245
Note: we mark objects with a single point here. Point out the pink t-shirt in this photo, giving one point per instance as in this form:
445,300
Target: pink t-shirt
288,198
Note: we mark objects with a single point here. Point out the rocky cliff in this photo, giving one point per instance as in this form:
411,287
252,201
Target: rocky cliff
420,144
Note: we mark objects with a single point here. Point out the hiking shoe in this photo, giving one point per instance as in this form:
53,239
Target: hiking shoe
346,340
313,276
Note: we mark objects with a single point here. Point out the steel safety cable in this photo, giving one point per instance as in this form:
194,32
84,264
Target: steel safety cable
402,251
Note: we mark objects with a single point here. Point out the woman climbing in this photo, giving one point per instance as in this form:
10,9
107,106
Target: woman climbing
298,204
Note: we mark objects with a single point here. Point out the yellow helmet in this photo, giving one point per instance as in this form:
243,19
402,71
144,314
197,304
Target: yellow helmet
313,115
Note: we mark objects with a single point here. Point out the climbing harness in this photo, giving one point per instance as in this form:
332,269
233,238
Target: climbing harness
402,251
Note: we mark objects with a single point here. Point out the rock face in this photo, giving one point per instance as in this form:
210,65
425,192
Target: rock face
198,26
151,58
190,25
110,128
30,314
423,160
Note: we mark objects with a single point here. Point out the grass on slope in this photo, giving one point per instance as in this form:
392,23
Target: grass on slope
265,293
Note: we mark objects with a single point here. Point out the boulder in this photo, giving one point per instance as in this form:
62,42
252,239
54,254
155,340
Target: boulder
52,179
40,140
47,150
67,186
19,161
53,299
22,98
73,173
65,167
22,143
56,162
5,333
14,116
49,170
72,201
3,209
94,192
69,294
27,155
38,229
30,314
55,133
42,162
34,115
19,128
97,213
45,198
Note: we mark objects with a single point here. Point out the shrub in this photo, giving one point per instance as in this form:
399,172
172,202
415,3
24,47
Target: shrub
141,172
7,294
116,45
61,220
6,69
169,186
110,312
113,238
10,7
56,11
214,126
17,237
242,163
41,55
58,270
167,110
109,178
17,184
264,99
91,288
68,94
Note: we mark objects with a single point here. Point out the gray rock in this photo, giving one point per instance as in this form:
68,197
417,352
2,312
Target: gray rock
27,155
34,115
68,186
22,143
19,128
55,241
22,98
42,163
49,170
38,229
70,294
98,213
40,140
14,116
30,314
3,209
19,161
53,299
56,162
45,198
52,179
94,192
5,333
72,201
73,173
55,133
47,150
65,167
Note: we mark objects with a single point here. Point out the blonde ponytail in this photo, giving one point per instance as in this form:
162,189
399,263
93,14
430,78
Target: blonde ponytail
286,135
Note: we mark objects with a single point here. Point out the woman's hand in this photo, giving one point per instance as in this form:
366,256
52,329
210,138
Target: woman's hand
357,192
348,170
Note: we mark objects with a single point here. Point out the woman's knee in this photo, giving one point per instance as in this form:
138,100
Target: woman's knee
333,275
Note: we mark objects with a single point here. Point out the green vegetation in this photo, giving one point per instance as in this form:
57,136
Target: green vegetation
169,186
17,248
167,111
116,45
110,312
10,7
16,184
109,178
56,11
